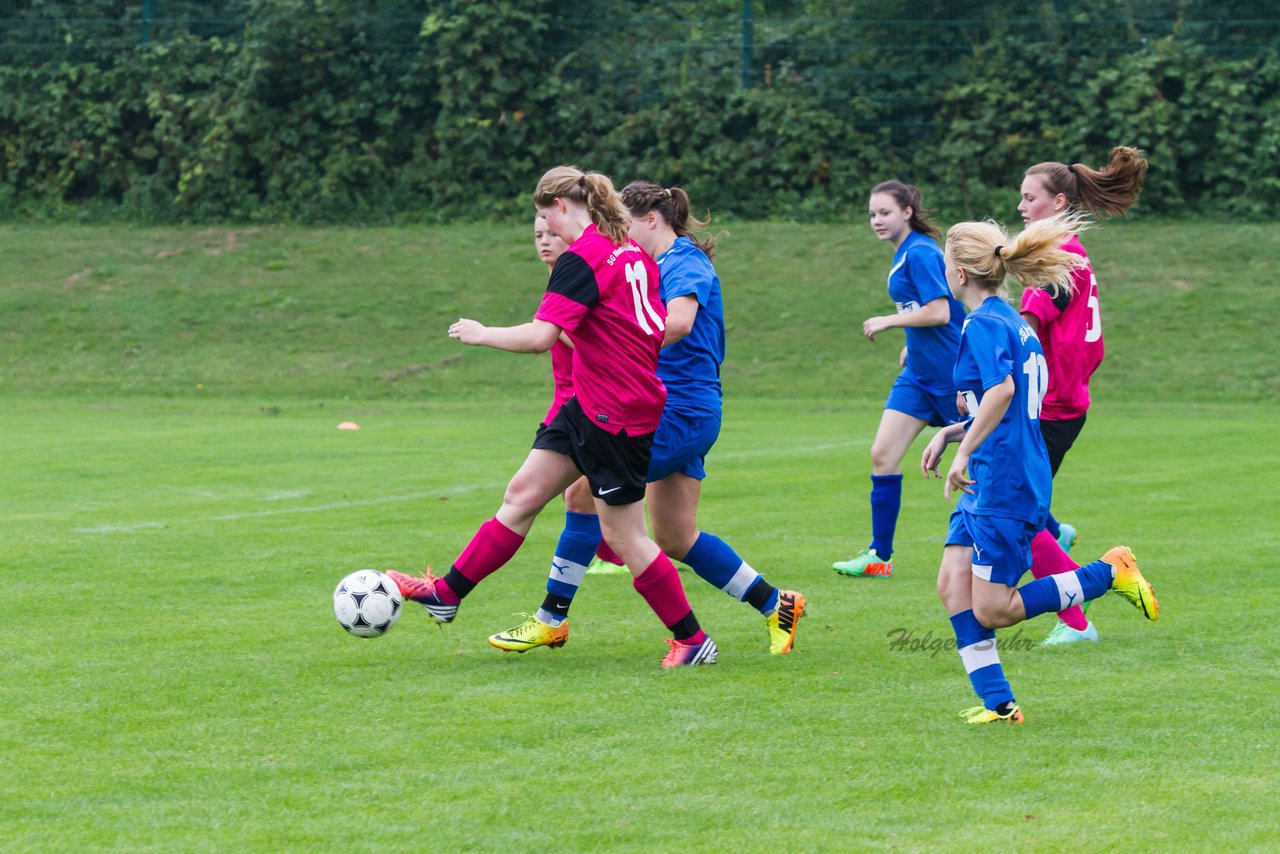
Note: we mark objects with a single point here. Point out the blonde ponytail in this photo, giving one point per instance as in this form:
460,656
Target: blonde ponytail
989,255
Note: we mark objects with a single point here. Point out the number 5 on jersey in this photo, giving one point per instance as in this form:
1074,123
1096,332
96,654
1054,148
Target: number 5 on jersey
638,278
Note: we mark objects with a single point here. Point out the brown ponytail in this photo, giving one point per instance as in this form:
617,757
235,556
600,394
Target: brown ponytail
593,191
1102,192
672,205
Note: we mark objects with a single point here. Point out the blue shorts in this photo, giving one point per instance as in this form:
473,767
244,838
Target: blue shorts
681,443
1001,547
909,398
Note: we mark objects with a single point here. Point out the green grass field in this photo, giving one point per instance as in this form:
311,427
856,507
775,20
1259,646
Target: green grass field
178,507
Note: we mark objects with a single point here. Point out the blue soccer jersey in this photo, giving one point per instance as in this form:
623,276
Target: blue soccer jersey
690,368
917,278
1010,469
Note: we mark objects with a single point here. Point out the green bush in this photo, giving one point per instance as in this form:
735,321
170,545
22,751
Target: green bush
395,110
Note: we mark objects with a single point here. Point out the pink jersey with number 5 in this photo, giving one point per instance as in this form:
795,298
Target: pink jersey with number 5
606,297
1071,336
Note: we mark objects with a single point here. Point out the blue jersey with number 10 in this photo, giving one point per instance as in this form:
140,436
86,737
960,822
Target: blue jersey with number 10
1010,469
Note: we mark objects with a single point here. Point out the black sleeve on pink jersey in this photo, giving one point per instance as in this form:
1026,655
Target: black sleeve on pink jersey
573,277
1063,299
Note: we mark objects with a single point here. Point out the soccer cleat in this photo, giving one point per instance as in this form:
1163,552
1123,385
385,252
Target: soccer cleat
867,564
685,654
1066,536
600,566
530,634
1130,584
983,715
783,621
422,590
1064,634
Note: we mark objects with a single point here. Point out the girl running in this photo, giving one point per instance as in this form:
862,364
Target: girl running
689,366
923,394
603,292
1002,466
1069,326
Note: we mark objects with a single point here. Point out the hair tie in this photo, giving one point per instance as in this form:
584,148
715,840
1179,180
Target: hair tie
998,248
667,192
1071,168
582,182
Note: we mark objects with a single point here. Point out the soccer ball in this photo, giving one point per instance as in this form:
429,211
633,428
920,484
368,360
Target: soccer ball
367,603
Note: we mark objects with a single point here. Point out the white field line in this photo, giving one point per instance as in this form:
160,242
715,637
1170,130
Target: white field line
418,496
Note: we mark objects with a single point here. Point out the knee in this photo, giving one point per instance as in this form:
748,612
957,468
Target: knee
523,496
992,615
944,589
578,497
884,457
675,543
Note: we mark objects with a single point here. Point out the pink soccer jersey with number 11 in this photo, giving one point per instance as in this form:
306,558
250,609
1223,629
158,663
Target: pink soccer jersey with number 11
606,298
1071,337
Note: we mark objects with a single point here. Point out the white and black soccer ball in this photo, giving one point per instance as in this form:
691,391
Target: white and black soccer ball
367,603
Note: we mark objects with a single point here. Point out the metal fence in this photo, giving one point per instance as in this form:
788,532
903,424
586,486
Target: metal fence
832,58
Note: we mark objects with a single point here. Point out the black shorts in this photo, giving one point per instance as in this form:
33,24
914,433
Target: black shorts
1059,436
615,466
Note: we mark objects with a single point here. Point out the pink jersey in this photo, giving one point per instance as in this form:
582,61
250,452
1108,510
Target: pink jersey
1071,336
562,376
606,297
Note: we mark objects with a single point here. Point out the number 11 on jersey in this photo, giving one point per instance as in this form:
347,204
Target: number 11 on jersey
638,278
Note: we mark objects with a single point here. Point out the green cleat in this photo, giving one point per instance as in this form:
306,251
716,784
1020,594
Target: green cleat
600,566
867,564
1066,536
1064,634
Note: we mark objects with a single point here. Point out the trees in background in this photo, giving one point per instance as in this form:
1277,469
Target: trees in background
385,110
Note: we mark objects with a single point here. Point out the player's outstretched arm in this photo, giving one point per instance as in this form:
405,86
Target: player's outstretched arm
536,336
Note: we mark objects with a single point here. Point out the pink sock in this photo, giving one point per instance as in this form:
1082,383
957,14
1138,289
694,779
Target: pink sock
660,586
492,546
607,554
1048,558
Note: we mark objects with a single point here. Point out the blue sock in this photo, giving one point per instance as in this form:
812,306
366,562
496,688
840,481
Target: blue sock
886,501
1055,592
1052,526
977,647
577,545
718,564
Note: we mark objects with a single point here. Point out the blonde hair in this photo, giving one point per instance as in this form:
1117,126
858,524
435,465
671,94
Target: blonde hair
1101,192
592,190
990,255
